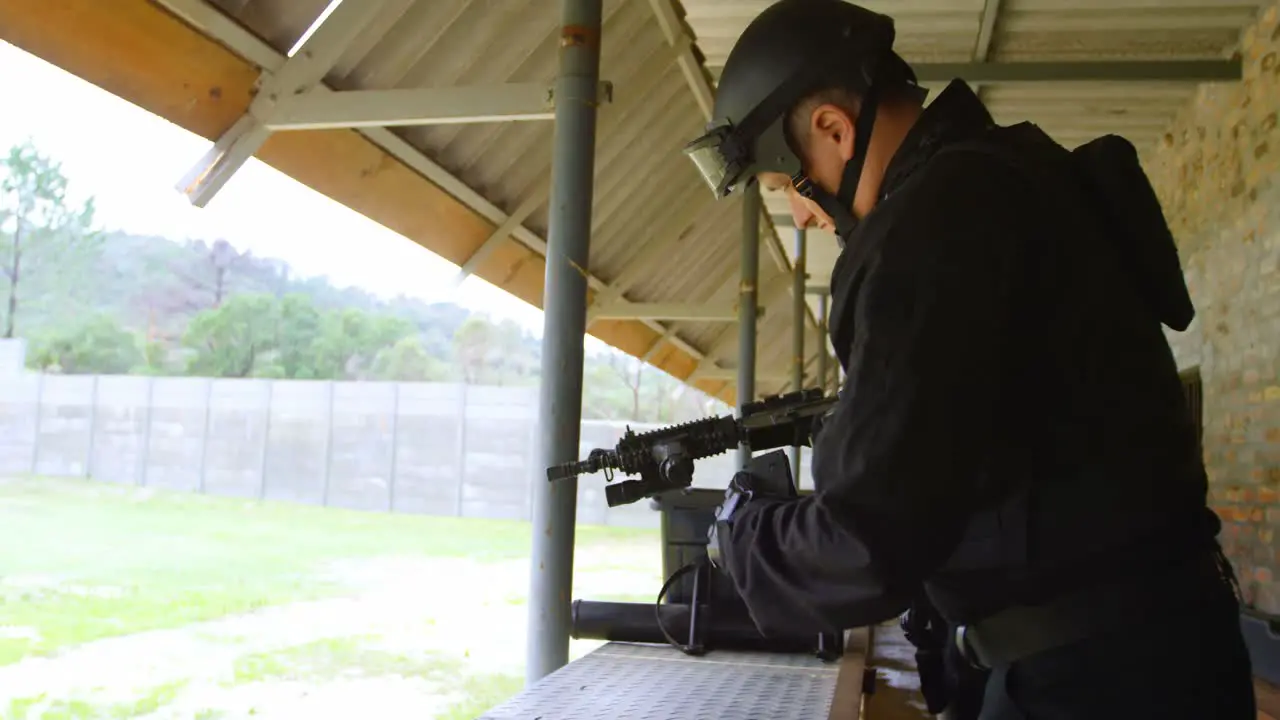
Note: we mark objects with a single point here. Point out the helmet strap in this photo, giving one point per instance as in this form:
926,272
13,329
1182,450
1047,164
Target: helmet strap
840,205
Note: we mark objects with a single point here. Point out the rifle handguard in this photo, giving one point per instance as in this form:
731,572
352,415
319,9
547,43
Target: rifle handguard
663,459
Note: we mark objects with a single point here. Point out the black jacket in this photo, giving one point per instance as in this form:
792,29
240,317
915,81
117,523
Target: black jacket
997,351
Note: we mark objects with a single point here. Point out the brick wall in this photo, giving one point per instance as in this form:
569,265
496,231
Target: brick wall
1217,171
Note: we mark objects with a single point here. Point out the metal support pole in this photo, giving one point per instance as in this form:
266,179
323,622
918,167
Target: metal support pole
797,334
750,274
564,325
823,379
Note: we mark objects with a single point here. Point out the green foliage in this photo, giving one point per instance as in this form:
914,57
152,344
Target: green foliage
39,229
494,354
516,362
234,339
409,361
95,345
298,334
155,355
618,387
350,339
473,347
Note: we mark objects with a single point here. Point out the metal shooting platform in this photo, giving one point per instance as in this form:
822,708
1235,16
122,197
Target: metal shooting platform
653,682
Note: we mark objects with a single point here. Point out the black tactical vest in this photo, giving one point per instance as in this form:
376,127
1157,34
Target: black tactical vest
1071,504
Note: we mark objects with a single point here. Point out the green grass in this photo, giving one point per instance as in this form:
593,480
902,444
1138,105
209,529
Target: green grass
332,657
340,657
483,693
120,560
45,708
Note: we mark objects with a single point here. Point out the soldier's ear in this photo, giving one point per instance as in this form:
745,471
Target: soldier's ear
831,127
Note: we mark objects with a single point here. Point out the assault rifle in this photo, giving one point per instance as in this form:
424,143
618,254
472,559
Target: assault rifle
663,458
710,614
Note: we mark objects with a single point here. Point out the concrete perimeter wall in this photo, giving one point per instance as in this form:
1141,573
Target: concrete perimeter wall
1217,171
433,448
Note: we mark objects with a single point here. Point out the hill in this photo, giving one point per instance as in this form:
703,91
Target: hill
90,301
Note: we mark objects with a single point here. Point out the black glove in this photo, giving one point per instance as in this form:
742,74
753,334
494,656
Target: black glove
741,490
925,628
816,427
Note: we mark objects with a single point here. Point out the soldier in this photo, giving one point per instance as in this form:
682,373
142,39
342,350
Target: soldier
1011,434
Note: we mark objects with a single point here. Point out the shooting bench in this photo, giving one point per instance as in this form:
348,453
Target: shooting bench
630,681
744,676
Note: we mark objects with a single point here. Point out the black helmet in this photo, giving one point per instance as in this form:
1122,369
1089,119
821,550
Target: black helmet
794,48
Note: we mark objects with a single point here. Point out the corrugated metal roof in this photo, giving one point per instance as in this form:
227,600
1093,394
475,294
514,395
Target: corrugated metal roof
646,192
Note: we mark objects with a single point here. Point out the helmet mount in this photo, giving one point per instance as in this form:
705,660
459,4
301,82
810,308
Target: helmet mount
791,50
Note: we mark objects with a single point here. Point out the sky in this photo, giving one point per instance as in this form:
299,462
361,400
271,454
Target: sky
130,161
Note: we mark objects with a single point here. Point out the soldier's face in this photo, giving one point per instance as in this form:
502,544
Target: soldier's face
824,151
805,212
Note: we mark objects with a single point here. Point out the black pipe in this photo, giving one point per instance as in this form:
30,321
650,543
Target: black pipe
722,628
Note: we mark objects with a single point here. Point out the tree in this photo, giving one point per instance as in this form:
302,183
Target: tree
155,357
350,339
38,225
297,337
210,279
409,361
235,339
606,392
95,345
473,343
660,397
630,371
512,361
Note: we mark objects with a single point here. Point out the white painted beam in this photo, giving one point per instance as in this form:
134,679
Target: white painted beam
771,292
611,115
654,241
689,312
305,70
228,154
921,11
731,374
986,30
504,230
986,35
657,344
1094,71
674,31
412,106
1083,71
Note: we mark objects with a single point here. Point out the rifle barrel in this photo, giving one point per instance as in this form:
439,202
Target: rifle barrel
564,471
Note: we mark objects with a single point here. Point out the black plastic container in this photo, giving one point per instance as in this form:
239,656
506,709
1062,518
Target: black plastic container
727,628
687,516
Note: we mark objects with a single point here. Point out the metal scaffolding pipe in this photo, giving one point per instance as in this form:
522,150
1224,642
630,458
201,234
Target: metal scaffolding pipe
750,274
797,332
823,380
564,324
